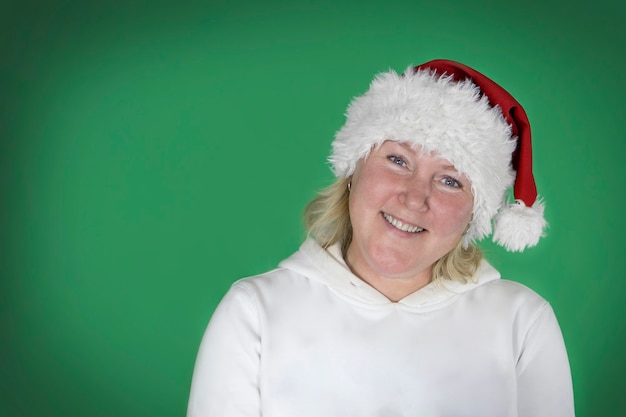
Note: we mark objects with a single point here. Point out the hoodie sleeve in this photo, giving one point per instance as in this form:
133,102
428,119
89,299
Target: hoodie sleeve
543,373
226,374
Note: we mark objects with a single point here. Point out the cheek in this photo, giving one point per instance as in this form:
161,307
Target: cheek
455,214
372,188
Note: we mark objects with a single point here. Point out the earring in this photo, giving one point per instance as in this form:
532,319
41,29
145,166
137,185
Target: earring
349,185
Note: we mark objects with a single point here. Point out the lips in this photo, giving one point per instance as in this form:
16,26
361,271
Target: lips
402,226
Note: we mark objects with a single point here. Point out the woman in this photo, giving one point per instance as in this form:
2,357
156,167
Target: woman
388,308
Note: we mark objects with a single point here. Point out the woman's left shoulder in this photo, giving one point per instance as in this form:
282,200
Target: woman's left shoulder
513,304
513,288
488,281
512,296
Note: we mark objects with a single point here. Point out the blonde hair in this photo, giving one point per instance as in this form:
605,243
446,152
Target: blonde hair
327,219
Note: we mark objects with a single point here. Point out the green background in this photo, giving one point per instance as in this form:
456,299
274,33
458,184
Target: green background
152,152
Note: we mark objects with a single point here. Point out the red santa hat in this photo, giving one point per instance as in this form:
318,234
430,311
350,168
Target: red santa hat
461,115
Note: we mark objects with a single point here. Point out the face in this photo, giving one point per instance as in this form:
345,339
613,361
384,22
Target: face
407,211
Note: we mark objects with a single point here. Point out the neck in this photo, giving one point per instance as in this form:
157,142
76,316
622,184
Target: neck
395,288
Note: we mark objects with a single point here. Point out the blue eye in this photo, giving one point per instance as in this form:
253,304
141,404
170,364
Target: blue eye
397,160
451,182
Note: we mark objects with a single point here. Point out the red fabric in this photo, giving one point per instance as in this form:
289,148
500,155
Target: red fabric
524,188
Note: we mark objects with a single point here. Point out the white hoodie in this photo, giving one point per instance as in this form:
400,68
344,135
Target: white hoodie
310,339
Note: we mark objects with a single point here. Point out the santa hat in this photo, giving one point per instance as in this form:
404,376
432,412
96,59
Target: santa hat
461,115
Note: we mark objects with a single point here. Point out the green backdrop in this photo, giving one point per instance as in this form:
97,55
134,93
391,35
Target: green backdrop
152,152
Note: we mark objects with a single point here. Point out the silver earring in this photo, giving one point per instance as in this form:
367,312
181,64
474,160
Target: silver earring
349,185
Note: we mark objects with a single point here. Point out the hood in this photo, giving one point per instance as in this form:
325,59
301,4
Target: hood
329,268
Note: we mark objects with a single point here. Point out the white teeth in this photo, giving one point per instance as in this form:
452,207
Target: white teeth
399,225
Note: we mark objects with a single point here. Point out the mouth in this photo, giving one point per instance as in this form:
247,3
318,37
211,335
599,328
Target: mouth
402,226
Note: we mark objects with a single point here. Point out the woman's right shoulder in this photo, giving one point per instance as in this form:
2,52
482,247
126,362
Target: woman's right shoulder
247,296
275,282
273,277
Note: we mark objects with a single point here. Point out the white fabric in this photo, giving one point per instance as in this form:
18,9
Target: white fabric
310,339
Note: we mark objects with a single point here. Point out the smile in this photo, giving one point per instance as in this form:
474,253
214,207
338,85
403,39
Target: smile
402,226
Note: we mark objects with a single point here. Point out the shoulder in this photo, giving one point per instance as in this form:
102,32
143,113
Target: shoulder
513,290
269,288
489,282
248,298
490,289
510,301
272,280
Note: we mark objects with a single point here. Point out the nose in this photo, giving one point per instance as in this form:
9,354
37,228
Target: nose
416,194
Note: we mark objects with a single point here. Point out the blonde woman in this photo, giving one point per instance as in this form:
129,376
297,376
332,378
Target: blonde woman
388,308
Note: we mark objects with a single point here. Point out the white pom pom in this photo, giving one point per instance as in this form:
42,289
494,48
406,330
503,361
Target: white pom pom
517,227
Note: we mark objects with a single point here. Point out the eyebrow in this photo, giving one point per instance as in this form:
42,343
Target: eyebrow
408,146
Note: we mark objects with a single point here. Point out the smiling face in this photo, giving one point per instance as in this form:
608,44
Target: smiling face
407,211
